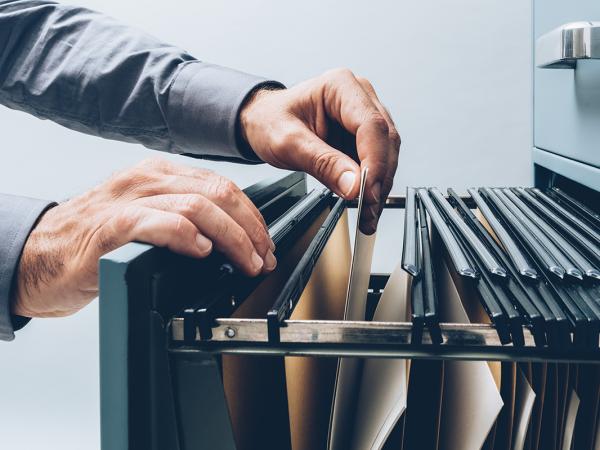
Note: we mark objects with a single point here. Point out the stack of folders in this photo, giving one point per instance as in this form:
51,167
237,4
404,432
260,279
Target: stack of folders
513,258
520,259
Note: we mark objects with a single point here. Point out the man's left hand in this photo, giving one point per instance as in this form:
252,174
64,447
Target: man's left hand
324,126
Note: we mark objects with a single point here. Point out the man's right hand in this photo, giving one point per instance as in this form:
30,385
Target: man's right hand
191,211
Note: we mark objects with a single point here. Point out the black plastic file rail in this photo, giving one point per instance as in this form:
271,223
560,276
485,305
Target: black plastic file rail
558,330
286,301
224,299
536,305
430,298
483,283
514,297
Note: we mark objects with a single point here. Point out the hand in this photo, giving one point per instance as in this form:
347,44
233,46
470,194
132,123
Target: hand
190,211
322,126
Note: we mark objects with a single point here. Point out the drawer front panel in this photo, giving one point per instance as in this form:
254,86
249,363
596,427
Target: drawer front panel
567,101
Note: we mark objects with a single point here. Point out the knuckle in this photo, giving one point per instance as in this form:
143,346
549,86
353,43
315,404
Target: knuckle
125,220
181,226
365,83
224,191
342,72
258,234
378,122
155,164
192,205
323,163
395,138
133,181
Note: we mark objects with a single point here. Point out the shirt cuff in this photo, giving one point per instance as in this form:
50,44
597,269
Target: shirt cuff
203,108
18,215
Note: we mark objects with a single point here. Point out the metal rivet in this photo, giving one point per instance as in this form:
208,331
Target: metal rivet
232,300
230,332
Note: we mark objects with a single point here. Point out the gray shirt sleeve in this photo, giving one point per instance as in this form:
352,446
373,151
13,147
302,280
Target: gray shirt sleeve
90,73
17,217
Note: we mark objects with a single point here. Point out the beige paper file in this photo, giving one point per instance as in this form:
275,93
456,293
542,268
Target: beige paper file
255,386
570,420
524,400
563,397
383,389
348,373
310,381
471,401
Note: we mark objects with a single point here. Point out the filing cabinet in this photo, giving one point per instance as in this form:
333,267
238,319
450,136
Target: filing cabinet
566,103
163,338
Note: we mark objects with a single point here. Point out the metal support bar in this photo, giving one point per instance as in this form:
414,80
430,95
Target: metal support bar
370,339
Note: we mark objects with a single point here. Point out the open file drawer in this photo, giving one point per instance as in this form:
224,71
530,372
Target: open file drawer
168,325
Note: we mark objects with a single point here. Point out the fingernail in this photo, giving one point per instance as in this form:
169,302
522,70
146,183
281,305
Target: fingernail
257,262
270,261
346,182
376,192
369,227
204,244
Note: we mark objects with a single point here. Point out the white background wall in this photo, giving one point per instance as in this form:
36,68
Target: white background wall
455,76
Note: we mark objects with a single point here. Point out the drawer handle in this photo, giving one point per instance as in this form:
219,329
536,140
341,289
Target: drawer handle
562,47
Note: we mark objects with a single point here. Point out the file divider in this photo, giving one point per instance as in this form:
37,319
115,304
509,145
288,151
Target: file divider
587,248
558,325
513,218
286,301
523,296
461,264
417,310
512,249
510,295
484,288
488,261
566,214
410,248
430,296
572,260
585,213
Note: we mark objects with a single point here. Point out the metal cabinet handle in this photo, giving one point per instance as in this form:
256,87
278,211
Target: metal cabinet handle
562,47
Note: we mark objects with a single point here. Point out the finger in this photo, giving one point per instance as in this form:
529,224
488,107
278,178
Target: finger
349,104
227,235
152,226
230,199
307,152
223,192
394,138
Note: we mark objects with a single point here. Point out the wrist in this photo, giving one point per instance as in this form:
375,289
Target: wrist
36,264
250,108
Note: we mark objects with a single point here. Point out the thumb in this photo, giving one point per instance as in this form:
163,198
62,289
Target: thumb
330,166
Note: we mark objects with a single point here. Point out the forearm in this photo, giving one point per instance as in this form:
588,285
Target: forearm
92,74
17,217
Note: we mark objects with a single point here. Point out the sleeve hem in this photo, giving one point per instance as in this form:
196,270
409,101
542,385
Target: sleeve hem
203,108
18,215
